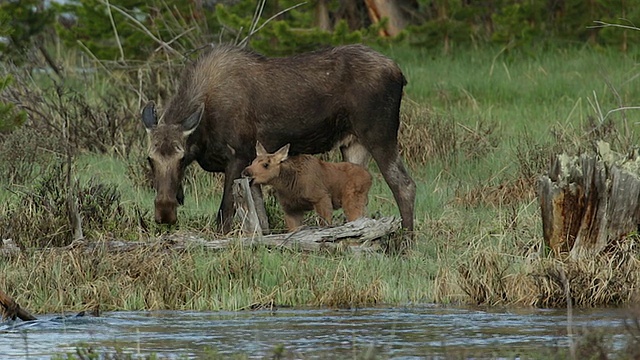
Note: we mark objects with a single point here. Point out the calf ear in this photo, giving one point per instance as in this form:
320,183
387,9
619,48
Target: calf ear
260,151
190,124
149,118
282,154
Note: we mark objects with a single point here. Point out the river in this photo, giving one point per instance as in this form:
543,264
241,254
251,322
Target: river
412,332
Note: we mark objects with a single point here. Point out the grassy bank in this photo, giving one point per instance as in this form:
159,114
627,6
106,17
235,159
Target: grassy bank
479,127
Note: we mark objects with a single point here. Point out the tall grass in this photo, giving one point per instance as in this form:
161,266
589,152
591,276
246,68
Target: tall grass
478,128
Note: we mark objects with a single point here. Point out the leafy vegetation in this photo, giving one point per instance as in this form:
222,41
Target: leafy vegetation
23,24
478,127
121,30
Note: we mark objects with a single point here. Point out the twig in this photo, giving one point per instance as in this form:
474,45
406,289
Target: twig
175,38
602,24
11,309
50,61
109,72
620,103
115,30
245,41
596,107
256,15
143,28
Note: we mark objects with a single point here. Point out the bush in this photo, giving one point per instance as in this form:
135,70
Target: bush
38,217
10,117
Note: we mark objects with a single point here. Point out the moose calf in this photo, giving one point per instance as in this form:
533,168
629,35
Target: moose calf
303,183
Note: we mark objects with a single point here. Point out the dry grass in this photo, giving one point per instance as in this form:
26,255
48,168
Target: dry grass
38,218
507,192
426,135
346,292
73,279
608,278
490,276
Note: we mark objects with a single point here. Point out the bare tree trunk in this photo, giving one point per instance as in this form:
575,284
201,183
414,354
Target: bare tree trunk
321,13
379,9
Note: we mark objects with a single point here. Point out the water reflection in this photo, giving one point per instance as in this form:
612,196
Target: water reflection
393,332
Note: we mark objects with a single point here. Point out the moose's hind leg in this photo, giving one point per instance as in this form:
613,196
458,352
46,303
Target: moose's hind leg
402,185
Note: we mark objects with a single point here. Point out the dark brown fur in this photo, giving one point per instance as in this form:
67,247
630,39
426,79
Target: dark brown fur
303,183
348,96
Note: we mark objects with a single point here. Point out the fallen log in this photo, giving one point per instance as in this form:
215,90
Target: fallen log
11,309
589,201
362,235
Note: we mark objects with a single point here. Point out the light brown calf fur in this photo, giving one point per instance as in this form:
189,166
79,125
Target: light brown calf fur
304,182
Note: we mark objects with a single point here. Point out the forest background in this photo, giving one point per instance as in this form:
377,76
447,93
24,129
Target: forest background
130,30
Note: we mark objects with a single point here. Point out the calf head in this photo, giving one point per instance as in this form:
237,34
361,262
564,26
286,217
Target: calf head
266,167
167,151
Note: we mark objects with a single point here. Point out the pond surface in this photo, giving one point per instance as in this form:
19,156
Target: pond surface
399,333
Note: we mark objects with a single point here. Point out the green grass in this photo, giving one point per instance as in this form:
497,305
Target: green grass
523,94
495,114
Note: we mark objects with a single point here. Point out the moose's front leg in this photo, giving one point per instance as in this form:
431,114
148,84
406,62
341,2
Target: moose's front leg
227,210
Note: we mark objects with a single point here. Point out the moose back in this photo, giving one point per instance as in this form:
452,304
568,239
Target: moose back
347,96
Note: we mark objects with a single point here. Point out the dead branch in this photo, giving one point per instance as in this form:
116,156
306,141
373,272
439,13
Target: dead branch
361,235
11,309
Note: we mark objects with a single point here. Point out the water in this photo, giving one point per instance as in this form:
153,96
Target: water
402,333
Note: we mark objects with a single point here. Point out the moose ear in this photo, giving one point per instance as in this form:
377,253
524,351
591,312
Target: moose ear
282,154
190,124
260,151
149,118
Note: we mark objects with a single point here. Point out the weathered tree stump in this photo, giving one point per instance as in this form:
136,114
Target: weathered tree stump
590,200
246,214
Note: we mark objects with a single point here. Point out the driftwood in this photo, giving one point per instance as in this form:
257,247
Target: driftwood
358,236
589,201
11,309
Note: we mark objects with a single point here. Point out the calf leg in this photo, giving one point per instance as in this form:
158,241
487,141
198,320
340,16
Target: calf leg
293,220
324,208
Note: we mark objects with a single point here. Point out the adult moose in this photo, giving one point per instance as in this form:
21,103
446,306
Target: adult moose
347,96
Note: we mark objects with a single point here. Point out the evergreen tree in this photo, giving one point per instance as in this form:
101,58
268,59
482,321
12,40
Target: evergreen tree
22,22
109,34
293,30
10,118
